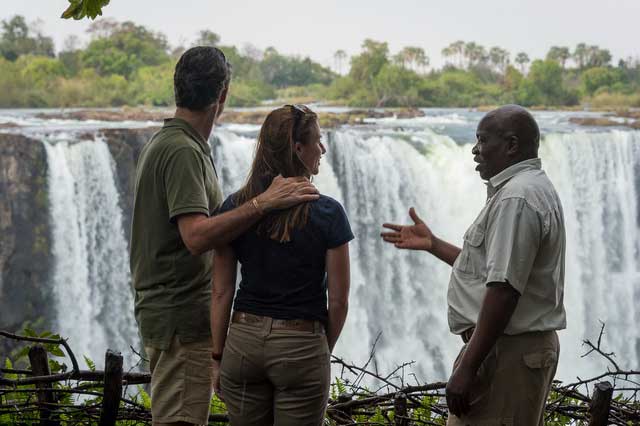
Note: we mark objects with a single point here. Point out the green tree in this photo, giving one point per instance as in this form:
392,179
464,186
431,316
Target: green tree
600,77
559,54
366,65
475,54
207,38
395,86
546,77
339,57
18,39
413,58
580,55
499,58
455,51
522,59
123,48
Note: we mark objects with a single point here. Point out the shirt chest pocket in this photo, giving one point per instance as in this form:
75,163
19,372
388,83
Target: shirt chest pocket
472,257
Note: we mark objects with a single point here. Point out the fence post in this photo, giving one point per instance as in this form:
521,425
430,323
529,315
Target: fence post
112,388
600,404
46,398
400,409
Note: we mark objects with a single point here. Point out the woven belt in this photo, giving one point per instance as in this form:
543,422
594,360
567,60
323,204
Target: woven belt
466,335
278,324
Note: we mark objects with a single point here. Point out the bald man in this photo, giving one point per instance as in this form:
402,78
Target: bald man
506,289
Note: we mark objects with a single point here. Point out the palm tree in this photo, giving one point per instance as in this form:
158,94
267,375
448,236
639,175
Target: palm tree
339,57
522,59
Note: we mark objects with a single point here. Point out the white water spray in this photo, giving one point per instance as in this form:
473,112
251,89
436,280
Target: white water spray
91,274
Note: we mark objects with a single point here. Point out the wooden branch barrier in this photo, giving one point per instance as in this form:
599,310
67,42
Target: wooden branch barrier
399,403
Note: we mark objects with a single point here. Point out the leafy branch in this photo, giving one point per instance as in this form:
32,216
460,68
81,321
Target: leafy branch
79,9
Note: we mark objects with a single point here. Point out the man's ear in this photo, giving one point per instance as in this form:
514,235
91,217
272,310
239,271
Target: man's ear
298,147
223,95
513,145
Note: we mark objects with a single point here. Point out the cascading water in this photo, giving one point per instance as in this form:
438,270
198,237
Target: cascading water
91,277
378,175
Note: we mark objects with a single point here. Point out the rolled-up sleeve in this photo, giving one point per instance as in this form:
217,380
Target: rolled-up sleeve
513,236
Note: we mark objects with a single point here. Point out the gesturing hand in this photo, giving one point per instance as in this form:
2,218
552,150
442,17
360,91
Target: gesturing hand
287,192
415,237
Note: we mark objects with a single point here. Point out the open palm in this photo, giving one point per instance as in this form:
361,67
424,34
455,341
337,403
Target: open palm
414,237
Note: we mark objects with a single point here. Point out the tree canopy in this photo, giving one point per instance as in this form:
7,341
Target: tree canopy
124,63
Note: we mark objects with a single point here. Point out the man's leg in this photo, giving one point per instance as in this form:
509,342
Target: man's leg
518,383
181,383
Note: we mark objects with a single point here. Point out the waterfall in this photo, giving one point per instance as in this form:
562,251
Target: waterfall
91,277
378,175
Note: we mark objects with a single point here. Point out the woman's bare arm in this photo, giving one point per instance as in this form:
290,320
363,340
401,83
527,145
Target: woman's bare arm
339,280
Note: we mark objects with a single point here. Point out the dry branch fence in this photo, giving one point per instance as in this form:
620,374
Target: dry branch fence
386,399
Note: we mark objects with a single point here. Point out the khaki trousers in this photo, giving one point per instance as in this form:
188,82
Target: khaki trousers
513,382
181,382
275,377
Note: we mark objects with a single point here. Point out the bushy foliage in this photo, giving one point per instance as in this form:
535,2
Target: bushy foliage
128,64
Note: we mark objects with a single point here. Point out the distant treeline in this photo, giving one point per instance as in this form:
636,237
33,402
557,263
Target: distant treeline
127,64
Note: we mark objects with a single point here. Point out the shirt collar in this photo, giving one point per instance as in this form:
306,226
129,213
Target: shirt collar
189,130
496,182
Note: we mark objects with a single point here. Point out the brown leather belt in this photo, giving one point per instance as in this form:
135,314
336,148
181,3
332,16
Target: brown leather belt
466,335
278,324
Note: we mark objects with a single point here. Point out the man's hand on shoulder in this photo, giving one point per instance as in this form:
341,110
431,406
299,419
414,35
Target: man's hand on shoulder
287,192
414,237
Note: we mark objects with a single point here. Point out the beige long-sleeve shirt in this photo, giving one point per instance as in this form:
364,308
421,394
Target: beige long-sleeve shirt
518,238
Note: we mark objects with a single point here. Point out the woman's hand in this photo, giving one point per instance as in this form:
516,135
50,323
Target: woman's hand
414,237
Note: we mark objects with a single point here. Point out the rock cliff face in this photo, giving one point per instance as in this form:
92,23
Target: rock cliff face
25,231
125,146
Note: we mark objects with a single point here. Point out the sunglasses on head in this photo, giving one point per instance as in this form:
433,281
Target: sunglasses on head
303,109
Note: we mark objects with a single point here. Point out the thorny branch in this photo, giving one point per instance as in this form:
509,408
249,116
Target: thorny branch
361,395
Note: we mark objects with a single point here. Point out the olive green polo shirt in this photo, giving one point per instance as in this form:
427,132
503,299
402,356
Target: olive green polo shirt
175,175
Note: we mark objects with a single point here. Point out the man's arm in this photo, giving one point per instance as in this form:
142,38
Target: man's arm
201,233
499,303
419,237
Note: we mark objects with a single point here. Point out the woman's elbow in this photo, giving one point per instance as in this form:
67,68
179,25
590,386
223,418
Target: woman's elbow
340,304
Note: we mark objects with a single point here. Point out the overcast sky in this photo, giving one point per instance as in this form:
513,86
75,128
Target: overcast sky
319,28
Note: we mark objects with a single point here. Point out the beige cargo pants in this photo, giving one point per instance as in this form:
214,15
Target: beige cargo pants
513,382
275,377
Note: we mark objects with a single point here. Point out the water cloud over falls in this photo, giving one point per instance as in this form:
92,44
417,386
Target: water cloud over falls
91,278
377,175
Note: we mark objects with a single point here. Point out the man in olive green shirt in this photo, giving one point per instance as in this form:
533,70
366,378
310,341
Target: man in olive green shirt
173,231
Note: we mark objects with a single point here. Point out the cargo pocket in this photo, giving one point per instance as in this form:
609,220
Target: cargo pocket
543,359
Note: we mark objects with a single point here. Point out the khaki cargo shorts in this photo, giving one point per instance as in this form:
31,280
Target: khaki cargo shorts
181,382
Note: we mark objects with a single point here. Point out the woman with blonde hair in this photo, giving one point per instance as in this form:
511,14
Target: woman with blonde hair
272,354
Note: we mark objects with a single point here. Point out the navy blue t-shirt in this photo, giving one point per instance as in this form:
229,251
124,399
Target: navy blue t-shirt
288,280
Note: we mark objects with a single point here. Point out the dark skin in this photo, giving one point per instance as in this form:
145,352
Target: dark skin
505,137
